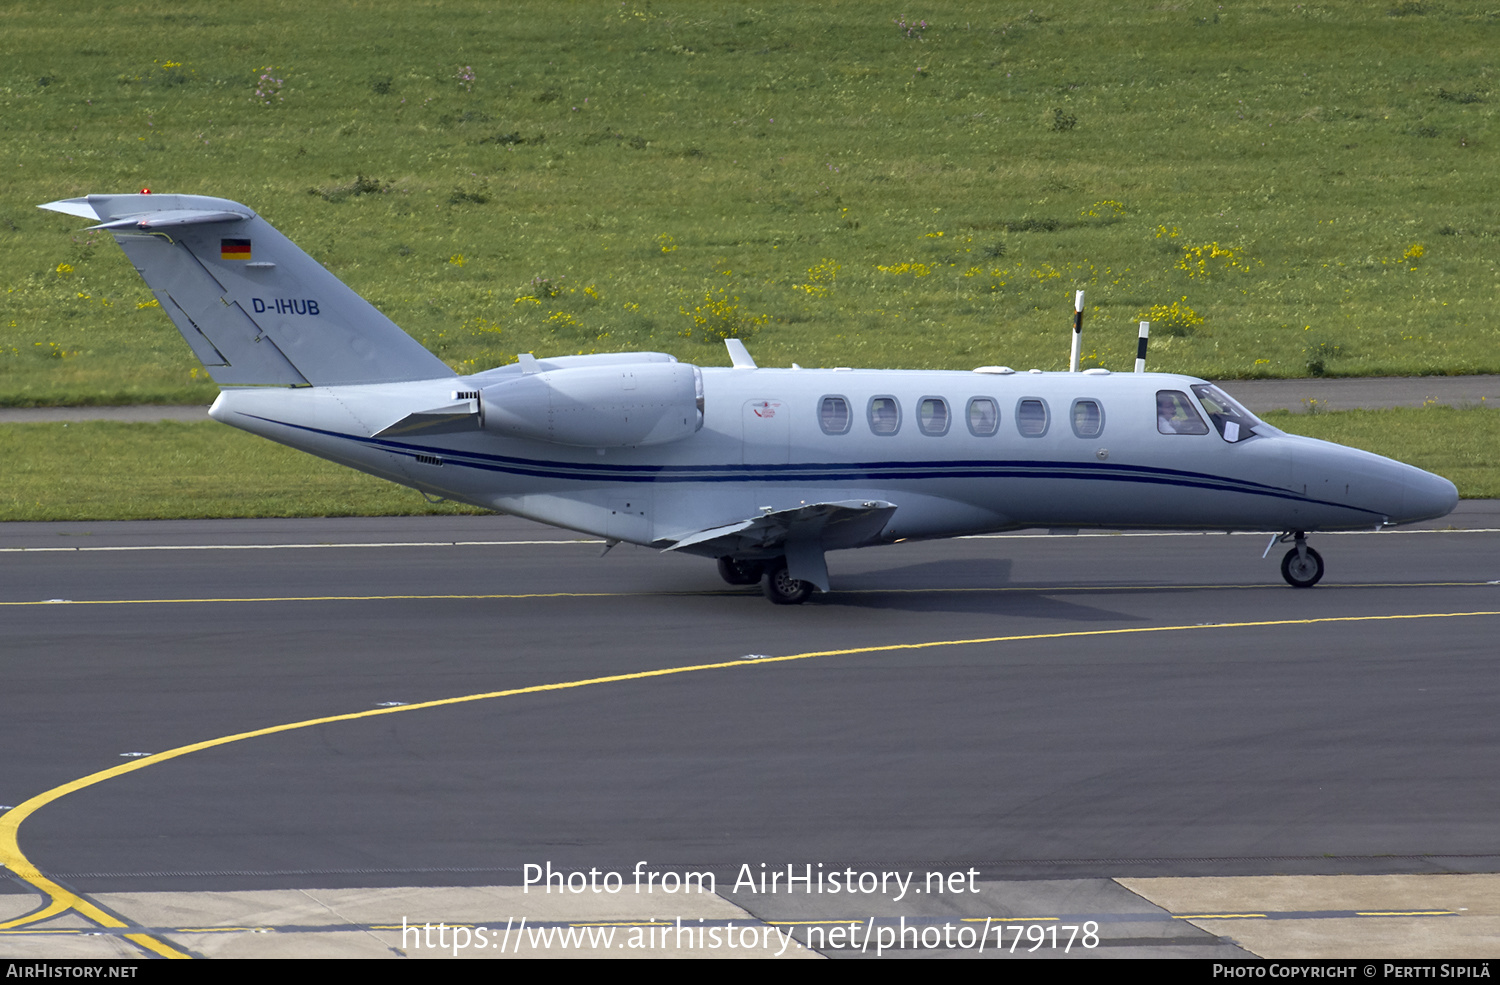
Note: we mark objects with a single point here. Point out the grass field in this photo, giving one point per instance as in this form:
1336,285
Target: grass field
1284,189
104,470
116,471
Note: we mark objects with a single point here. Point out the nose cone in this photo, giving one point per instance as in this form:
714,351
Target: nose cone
1349,487
1426,497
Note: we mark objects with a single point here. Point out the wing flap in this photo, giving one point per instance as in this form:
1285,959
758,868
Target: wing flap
713,533
829,526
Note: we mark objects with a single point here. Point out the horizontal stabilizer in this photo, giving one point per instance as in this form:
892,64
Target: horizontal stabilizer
850,523
72,206
172,217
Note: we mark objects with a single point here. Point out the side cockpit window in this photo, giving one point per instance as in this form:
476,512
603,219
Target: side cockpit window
1234,422
1175,414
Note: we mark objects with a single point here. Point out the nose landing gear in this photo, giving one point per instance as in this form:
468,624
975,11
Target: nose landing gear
1302,567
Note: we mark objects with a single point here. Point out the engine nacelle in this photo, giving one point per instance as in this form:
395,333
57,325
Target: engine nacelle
611,406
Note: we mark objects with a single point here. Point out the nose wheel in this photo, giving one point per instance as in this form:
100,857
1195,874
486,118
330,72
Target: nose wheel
1302,567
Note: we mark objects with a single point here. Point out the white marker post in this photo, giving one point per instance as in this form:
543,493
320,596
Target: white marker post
1140,347
1077,331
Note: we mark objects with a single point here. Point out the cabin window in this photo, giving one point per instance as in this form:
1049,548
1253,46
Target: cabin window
984,417
1031,417
885,415
1088,418
1175,414
1234,422
833,415
932,416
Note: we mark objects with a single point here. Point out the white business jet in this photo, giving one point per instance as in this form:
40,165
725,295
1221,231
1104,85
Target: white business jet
764,469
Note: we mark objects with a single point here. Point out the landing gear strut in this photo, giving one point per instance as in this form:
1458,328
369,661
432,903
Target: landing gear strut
741,572
1302,567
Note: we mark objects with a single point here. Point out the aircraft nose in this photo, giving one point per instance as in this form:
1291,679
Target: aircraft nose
1426,497
1369,483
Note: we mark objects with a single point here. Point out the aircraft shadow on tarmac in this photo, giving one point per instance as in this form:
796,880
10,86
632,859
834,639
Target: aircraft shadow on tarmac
940,586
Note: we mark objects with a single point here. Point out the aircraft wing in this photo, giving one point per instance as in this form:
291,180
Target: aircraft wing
813,527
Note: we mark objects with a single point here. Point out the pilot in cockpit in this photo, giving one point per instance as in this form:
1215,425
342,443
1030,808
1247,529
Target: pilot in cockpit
1175,414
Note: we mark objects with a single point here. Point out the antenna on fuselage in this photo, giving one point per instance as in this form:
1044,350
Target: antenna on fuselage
1140,347
739,356
1077,331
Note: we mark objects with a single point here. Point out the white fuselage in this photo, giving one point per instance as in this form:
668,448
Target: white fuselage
765,445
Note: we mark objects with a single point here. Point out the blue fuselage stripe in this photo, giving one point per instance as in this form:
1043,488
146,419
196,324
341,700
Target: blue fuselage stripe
822,471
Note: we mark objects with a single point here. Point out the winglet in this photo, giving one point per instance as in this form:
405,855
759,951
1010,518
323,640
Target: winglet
739,355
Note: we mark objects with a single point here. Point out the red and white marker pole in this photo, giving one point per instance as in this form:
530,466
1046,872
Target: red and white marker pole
1077,331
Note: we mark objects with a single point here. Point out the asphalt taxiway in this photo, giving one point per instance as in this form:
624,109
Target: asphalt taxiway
320,728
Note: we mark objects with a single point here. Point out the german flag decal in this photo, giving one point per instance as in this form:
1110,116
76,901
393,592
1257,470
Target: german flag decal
234,249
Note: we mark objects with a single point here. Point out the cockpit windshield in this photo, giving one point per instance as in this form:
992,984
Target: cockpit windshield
1234,422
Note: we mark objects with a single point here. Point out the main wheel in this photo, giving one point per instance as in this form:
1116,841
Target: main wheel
1302,572
738,572
781,588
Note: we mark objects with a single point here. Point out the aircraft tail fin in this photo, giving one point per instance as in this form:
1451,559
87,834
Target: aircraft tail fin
254,308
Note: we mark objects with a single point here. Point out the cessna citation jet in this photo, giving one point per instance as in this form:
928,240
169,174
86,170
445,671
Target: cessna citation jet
763,469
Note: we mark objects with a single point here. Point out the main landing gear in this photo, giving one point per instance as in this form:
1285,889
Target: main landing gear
740,572
779,586
1302,567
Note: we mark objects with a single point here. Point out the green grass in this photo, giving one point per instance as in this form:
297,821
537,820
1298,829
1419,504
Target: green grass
1313,181
103,470
115,471
1456,443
